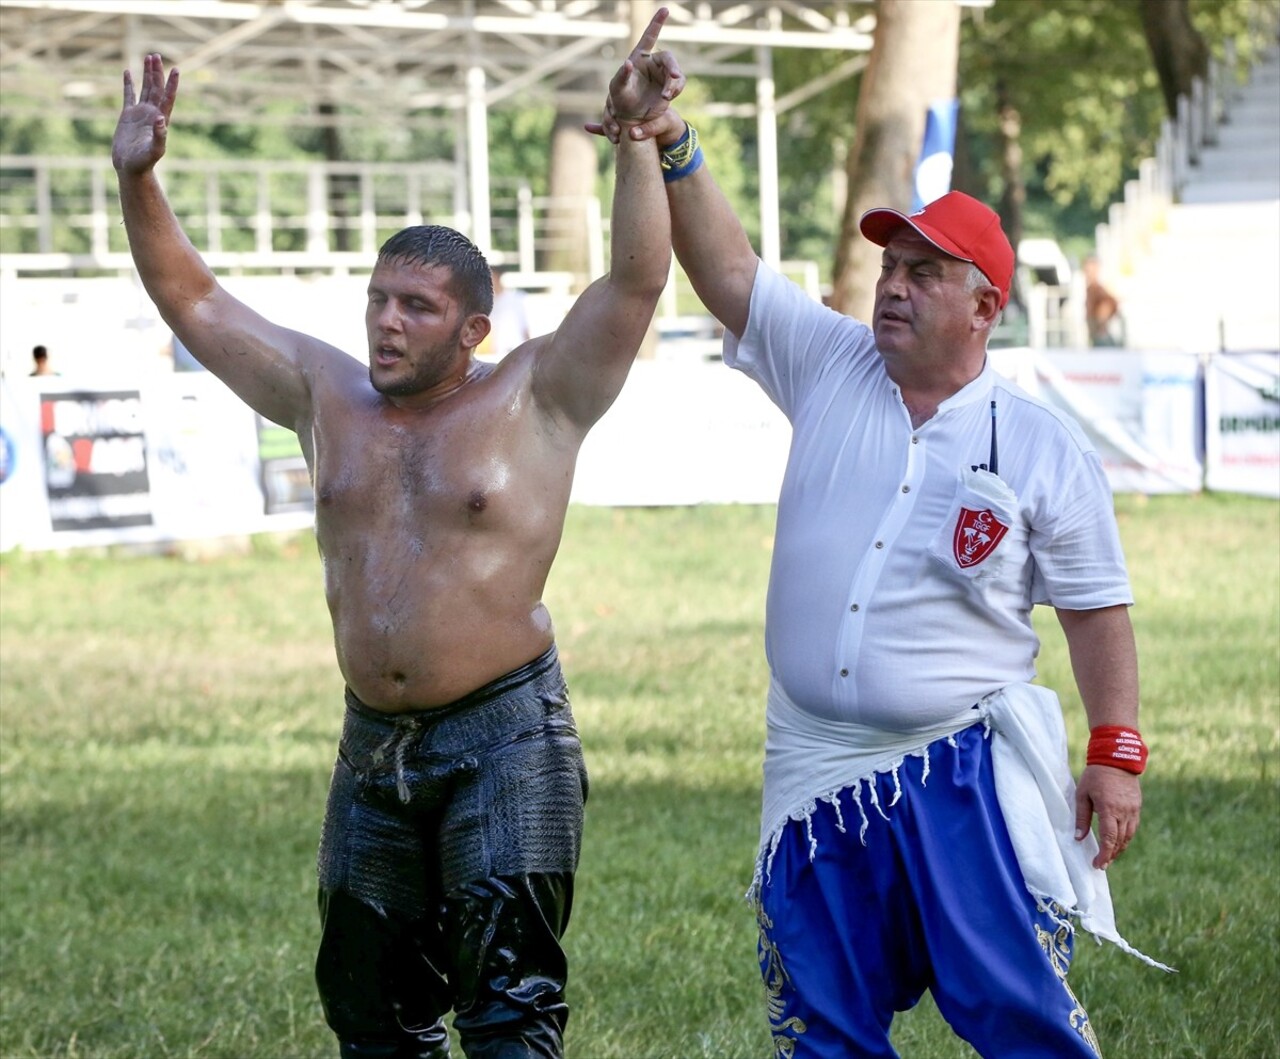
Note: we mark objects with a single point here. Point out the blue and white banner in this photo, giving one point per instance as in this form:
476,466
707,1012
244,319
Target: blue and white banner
1140,410
163,458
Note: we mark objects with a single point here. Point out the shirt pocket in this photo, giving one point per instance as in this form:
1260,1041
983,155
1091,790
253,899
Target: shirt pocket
982,540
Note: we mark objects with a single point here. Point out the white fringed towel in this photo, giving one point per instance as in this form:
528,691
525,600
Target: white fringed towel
1038,800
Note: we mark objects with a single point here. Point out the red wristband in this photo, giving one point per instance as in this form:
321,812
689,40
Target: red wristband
1117,746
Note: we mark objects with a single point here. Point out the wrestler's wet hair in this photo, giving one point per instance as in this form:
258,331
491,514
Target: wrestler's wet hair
434,244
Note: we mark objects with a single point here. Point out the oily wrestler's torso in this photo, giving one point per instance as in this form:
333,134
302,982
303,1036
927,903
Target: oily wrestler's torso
437,528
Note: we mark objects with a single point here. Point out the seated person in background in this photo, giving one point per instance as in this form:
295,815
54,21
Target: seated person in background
1101,309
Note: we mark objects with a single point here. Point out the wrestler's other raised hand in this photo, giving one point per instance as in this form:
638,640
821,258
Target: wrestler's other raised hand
641,92
143,128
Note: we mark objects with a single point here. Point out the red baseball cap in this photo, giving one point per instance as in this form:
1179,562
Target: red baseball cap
956,224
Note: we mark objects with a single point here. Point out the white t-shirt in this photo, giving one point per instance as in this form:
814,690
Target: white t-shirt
902,579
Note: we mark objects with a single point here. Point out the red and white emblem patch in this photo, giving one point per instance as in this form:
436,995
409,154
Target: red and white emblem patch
977,534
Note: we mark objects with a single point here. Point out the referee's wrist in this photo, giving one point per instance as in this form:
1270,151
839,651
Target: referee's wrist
666,141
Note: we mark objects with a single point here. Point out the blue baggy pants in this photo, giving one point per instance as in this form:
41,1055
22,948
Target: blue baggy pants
931,898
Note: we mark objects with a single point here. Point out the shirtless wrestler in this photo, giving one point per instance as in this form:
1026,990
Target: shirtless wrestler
455,811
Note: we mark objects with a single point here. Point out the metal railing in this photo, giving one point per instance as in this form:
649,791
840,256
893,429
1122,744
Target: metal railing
62,215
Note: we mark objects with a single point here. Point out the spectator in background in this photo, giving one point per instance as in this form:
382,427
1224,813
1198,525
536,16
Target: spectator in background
1101,309
40,357
509,323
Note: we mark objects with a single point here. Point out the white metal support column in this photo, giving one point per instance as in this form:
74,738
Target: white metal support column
212,212
262,239
767,137
98,193
478,159
317,211
44,210
368,214
526,235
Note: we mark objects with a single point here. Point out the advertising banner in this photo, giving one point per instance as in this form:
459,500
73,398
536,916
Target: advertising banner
1141,411
202,456
95,458
174,458
1242,423
179,456
684,433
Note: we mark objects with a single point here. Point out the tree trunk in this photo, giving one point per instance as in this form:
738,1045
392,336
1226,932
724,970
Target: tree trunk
1179,52
912,64
571,184
1014,196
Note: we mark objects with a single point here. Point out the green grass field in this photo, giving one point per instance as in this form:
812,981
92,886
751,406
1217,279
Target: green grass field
167,729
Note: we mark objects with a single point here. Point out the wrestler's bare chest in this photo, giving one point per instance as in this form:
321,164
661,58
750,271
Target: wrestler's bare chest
436,473
436,532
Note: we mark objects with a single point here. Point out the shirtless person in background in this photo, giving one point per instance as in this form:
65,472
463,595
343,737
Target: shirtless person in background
455,812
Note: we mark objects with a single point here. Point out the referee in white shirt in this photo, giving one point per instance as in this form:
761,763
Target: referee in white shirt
928,505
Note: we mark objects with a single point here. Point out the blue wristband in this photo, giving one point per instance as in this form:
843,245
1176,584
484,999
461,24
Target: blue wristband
682,157
692,166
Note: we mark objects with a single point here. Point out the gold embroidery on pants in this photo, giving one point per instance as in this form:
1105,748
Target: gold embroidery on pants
1057,949
785,1031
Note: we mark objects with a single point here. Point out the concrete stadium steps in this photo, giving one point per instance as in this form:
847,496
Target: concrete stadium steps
1199,220
1210,276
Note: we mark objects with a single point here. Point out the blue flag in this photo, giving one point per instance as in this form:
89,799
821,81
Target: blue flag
933,170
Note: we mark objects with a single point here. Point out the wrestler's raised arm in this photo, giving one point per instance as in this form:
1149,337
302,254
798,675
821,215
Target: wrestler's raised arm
268,366
709,240
581,369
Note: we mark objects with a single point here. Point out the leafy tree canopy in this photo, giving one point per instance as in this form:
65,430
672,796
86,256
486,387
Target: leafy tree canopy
1079,74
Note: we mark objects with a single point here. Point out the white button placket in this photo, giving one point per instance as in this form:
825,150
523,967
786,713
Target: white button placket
868,571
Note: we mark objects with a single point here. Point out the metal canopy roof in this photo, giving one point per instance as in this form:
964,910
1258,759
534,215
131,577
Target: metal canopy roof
348,59
416,61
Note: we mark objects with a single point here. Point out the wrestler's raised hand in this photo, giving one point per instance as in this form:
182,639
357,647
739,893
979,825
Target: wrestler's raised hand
641,91
143,128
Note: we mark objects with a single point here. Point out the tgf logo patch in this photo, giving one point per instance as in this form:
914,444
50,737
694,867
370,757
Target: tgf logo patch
977,534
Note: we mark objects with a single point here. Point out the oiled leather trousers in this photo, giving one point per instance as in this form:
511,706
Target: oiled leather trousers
446,873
